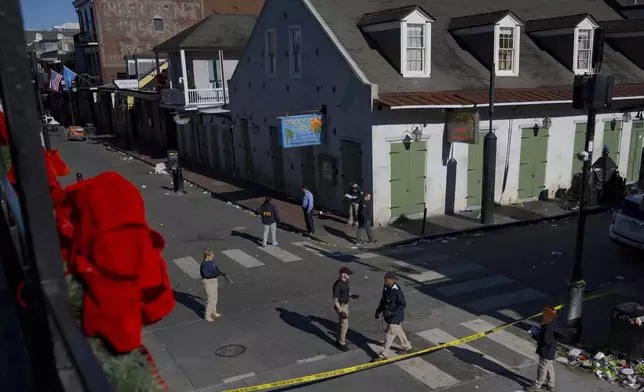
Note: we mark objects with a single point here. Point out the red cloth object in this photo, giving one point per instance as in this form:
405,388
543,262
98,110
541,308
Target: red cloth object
117,257
4,134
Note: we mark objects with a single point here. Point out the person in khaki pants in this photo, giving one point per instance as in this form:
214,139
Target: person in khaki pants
546,349
341,296
392,306
209,274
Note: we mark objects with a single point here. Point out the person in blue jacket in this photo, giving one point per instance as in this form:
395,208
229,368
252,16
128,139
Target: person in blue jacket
209,274
392,306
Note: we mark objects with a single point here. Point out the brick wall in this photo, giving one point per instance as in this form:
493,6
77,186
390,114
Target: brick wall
233,6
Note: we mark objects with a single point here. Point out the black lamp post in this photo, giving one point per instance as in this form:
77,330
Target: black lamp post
489,160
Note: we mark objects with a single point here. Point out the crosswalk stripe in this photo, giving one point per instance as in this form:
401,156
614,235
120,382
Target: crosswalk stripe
242,258
280,253
474,285
424,276
424,372
507,299
437,336
503,338
311,247
189,265
366,255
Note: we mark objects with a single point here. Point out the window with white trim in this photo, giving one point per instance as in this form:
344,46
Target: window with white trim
270,53
415,48
506,53
584,50
295,49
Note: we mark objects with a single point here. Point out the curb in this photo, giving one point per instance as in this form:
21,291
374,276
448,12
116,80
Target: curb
297,230
500,226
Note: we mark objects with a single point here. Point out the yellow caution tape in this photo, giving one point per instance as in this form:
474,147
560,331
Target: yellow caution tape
358,368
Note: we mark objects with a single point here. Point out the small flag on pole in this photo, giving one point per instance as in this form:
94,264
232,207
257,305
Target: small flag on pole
54,80
69,77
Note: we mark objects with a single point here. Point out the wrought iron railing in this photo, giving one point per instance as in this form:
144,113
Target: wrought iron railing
59,356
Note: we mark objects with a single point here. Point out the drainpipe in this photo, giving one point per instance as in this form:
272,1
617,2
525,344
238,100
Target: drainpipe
185,76
223,77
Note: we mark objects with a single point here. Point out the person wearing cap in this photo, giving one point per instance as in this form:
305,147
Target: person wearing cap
341,296
546,349
270,219
210,271
392,306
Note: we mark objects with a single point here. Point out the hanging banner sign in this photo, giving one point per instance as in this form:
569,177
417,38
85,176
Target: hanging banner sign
301,131
462,126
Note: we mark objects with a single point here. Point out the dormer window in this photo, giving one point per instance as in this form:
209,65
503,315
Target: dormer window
583,50
507,35
402,36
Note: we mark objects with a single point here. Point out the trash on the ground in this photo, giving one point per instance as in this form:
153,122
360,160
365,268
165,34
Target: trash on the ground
609,367
556,253
160,168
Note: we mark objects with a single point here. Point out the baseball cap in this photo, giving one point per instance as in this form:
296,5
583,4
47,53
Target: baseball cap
345,270
390,275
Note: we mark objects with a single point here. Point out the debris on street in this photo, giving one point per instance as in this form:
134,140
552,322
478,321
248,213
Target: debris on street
160,168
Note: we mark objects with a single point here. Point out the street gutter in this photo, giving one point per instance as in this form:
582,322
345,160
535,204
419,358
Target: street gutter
401,243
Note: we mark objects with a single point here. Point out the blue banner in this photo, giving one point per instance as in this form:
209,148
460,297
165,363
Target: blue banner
301,131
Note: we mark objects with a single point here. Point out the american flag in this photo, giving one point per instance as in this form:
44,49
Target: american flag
54,80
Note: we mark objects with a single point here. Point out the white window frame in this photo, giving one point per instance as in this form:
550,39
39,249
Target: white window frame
293,57
267,53
508,22
586,25
416,18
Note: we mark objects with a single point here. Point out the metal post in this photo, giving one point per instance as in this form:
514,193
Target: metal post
422,231
489,160
44,129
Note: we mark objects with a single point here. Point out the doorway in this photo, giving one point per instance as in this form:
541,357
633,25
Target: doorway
533,161
612,139
634,169
277,156
408,178
475,173
579,145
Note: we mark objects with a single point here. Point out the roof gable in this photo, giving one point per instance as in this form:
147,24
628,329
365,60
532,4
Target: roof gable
392,15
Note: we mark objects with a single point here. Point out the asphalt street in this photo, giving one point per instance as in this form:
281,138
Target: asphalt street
278,321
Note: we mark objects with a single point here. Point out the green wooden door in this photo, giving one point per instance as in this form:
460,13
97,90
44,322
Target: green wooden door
579,145
351,163
612,138
532,169
277,156
474,174
633,171
407,178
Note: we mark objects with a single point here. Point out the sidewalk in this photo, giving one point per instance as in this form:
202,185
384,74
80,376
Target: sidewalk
331,228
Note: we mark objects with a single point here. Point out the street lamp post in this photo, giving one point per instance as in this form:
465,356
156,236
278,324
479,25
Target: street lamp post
489,160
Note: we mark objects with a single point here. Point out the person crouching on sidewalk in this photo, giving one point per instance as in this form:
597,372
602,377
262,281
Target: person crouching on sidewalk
270,219
546,349
209,274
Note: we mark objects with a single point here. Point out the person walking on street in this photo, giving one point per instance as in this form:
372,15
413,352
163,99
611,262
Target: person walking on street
546,349
270,219
364,219
307,208
341,296
209,274
354,194
392,306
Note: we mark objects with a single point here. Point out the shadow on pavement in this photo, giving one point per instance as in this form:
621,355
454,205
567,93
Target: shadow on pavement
479,360
361,341
339,233
246,236
303,323
191,302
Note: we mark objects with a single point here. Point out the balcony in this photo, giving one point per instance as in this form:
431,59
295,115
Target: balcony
85,38
196,97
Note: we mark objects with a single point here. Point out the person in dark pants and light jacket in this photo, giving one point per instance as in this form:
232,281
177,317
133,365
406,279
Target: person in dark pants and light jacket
354,195
546,349
307,208
270,219
364,219
209,274
341,296
392,306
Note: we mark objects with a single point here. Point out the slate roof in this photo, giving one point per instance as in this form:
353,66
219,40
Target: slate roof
453,68
561,22
485,19
215,32
390,15
625,26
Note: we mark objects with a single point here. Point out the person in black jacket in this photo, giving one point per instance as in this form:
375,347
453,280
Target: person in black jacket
270,219
209,274
392,306
546,349
364,219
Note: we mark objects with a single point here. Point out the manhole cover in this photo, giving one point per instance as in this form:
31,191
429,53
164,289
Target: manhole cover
231,350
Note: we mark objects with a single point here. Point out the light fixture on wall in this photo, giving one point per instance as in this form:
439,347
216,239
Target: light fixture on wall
546,123
613,123
417,133
535,128
626,117
407,142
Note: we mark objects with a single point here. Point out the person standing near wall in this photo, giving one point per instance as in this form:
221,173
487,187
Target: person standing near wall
354,195
364,219
270,219
307,209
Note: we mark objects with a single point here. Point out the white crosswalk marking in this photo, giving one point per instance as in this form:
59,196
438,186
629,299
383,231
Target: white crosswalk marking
311,247
503,338
423,275
424,372
366,255
189,265
280,253
437,336
507,299
242,258
474,285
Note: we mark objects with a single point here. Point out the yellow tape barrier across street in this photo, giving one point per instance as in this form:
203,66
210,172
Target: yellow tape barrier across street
358,368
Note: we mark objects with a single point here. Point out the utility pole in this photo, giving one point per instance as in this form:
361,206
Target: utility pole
489,160
41,109
592,92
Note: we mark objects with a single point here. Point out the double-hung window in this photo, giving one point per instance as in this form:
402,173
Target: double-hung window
506,55
584,50
295,43
270,52
416,48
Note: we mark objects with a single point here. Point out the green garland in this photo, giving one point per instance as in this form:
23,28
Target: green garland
129,372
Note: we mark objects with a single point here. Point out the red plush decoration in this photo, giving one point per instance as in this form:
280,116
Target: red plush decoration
4,135
111,249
